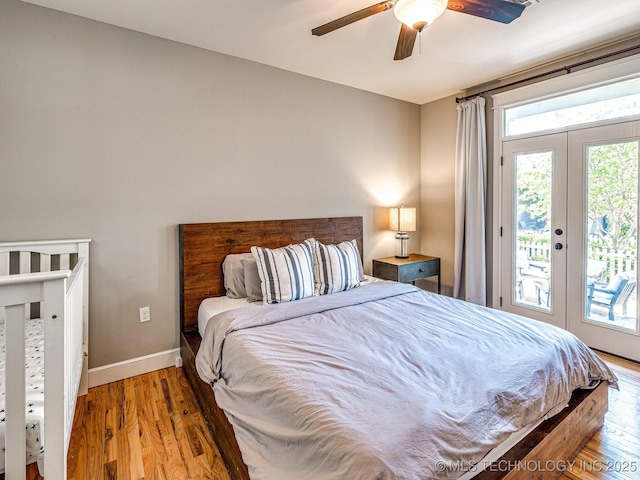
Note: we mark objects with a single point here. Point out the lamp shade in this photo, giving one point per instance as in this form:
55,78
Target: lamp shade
418,14
402,219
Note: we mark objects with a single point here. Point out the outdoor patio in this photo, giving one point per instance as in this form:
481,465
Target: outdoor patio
532,290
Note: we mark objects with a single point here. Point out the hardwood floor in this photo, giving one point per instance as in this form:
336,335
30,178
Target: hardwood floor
145,427
614,452
150,427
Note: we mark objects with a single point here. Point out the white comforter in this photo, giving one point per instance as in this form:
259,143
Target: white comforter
384,382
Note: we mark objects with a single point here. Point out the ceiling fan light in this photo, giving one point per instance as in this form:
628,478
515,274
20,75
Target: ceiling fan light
419,13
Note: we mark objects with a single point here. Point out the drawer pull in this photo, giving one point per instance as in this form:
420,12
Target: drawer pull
421,270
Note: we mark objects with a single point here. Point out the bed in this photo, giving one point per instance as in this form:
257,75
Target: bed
203,247
43,323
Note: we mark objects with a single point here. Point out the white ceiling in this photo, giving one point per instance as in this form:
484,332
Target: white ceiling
457,51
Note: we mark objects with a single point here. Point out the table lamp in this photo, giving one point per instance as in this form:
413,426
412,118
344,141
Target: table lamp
402,220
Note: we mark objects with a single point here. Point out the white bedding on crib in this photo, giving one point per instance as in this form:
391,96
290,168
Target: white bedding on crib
34,340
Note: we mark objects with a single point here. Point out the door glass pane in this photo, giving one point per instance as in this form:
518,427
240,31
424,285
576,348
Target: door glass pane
612,234
532,265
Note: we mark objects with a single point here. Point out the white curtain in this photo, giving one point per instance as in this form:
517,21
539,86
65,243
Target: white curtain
470,202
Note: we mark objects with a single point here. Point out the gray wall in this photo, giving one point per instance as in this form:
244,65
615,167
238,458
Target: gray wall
438,151
119,136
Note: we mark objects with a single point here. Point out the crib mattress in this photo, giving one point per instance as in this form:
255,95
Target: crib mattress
34,340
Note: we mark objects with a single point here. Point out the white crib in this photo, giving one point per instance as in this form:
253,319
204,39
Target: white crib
49,280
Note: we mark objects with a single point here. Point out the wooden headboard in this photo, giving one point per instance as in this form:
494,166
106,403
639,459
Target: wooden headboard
203,247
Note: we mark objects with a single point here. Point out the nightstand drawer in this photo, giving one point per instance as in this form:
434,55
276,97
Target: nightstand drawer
409,269
418,271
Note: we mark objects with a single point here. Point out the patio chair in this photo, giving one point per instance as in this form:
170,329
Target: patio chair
617,292
542,293
595,269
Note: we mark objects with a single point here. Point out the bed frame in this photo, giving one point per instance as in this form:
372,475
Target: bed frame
36,281
203,247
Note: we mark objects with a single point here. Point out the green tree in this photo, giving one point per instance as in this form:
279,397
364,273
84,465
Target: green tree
534,184
612,181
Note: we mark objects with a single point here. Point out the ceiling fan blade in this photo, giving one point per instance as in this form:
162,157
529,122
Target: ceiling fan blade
352,17
406,41
497,10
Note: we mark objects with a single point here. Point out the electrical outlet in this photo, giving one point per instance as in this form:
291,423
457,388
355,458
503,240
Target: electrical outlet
145,314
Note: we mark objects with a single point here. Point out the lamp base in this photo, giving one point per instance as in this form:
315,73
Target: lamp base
402,245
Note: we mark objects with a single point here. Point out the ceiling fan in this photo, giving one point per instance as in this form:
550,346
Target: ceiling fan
415,15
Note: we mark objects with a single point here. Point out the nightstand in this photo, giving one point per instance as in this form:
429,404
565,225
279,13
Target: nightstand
415,267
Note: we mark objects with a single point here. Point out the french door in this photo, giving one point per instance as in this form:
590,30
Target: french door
533,228
569,244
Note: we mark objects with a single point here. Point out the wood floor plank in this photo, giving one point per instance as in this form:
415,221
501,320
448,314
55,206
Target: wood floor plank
131,426
96,431
118,404
175,467
148,418
32,472
78,442
110,439
152,389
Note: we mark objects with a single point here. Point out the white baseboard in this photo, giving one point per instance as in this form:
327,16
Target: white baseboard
130,368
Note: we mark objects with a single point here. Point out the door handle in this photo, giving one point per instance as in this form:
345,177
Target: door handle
558,246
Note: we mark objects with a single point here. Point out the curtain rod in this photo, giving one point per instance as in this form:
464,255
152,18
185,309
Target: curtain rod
567,69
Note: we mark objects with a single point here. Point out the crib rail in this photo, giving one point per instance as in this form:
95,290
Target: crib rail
74,312
63,296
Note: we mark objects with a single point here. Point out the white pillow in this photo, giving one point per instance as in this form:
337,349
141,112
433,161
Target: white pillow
286,273
210,307
252,282
336,267
233,274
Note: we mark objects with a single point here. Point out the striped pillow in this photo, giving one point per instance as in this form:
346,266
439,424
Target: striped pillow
286,273
336,267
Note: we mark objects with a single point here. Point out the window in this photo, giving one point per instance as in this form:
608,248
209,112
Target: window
608,102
